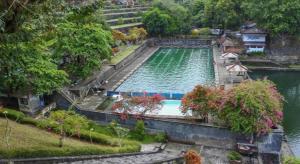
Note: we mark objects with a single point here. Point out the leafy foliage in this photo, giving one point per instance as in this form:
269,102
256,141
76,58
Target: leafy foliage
85,46
34,32
291,160
137,106
167,18
278,17
253,106
25,67
233,155
250,107
158,23
65,122
202,100
139,130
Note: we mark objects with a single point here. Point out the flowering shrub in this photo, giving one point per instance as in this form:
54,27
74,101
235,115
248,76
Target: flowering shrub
137,106
135,35
202,100
253,106
192,157
250,107
118,35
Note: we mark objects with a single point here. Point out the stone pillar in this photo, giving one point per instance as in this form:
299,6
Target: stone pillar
269,146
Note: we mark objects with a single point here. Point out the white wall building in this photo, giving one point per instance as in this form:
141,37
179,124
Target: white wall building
254,39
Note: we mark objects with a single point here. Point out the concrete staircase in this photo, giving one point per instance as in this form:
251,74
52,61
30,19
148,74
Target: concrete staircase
121,17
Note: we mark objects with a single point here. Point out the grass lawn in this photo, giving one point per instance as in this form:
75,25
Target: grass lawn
28,141
123,53
126,25
294,66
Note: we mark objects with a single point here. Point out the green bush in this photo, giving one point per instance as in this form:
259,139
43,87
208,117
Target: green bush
100,134
120,21
57,151
12,114
195,32
160,137
291,160
29,121
139,131
233,155
253,107
257,54
204,31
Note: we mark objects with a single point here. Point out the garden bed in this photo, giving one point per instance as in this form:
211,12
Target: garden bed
27,142
125,51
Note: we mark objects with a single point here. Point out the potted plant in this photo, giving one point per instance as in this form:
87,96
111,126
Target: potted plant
234,157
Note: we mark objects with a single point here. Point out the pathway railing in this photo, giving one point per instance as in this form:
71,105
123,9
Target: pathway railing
173,96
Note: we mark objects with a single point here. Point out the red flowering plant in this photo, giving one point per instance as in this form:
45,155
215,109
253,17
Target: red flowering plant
253,107
202,101
137,106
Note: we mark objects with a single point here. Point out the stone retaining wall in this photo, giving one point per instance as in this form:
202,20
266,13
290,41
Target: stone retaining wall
70,159
176,130
178,42
137,52
269,146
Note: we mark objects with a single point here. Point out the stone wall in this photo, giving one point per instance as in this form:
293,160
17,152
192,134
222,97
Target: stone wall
176,130
178,42
269,146
284,50
137,52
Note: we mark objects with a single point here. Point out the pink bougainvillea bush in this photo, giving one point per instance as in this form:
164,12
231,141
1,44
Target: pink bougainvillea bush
253,107
250,107
137,106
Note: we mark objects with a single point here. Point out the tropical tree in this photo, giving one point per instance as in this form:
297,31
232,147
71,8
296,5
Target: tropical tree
65,121
278,17
167,18
26,68
221,14
85,46
158,23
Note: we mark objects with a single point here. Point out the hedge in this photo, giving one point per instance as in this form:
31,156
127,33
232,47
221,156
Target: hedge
12,114
51,152
84,134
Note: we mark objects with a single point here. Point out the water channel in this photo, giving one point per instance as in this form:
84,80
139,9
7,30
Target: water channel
288,84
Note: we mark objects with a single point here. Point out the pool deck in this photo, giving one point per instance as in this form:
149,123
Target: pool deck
116,79
93,101
220,71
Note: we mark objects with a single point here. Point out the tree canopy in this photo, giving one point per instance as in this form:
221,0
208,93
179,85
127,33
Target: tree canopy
250,107
85,46
167,18
36,36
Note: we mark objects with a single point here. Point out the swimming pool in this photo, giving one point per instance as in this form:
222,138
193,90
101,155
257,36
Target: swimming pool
169,108
172,70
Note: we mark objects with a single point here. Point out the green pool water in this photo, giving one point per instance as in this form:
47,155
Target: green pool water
288,84
172,70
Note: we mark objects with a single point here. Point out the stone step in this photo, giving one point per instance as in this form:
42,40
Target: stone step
122,6
127,26
120,21
110,16
134,159
107,11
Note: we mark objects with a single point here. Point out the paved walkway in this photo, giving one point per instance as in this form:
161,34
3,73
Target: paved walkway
116,79
93,101
222,73
210,154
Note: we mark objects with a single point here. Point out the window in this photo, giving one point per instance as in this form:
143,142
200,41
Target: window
23,101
